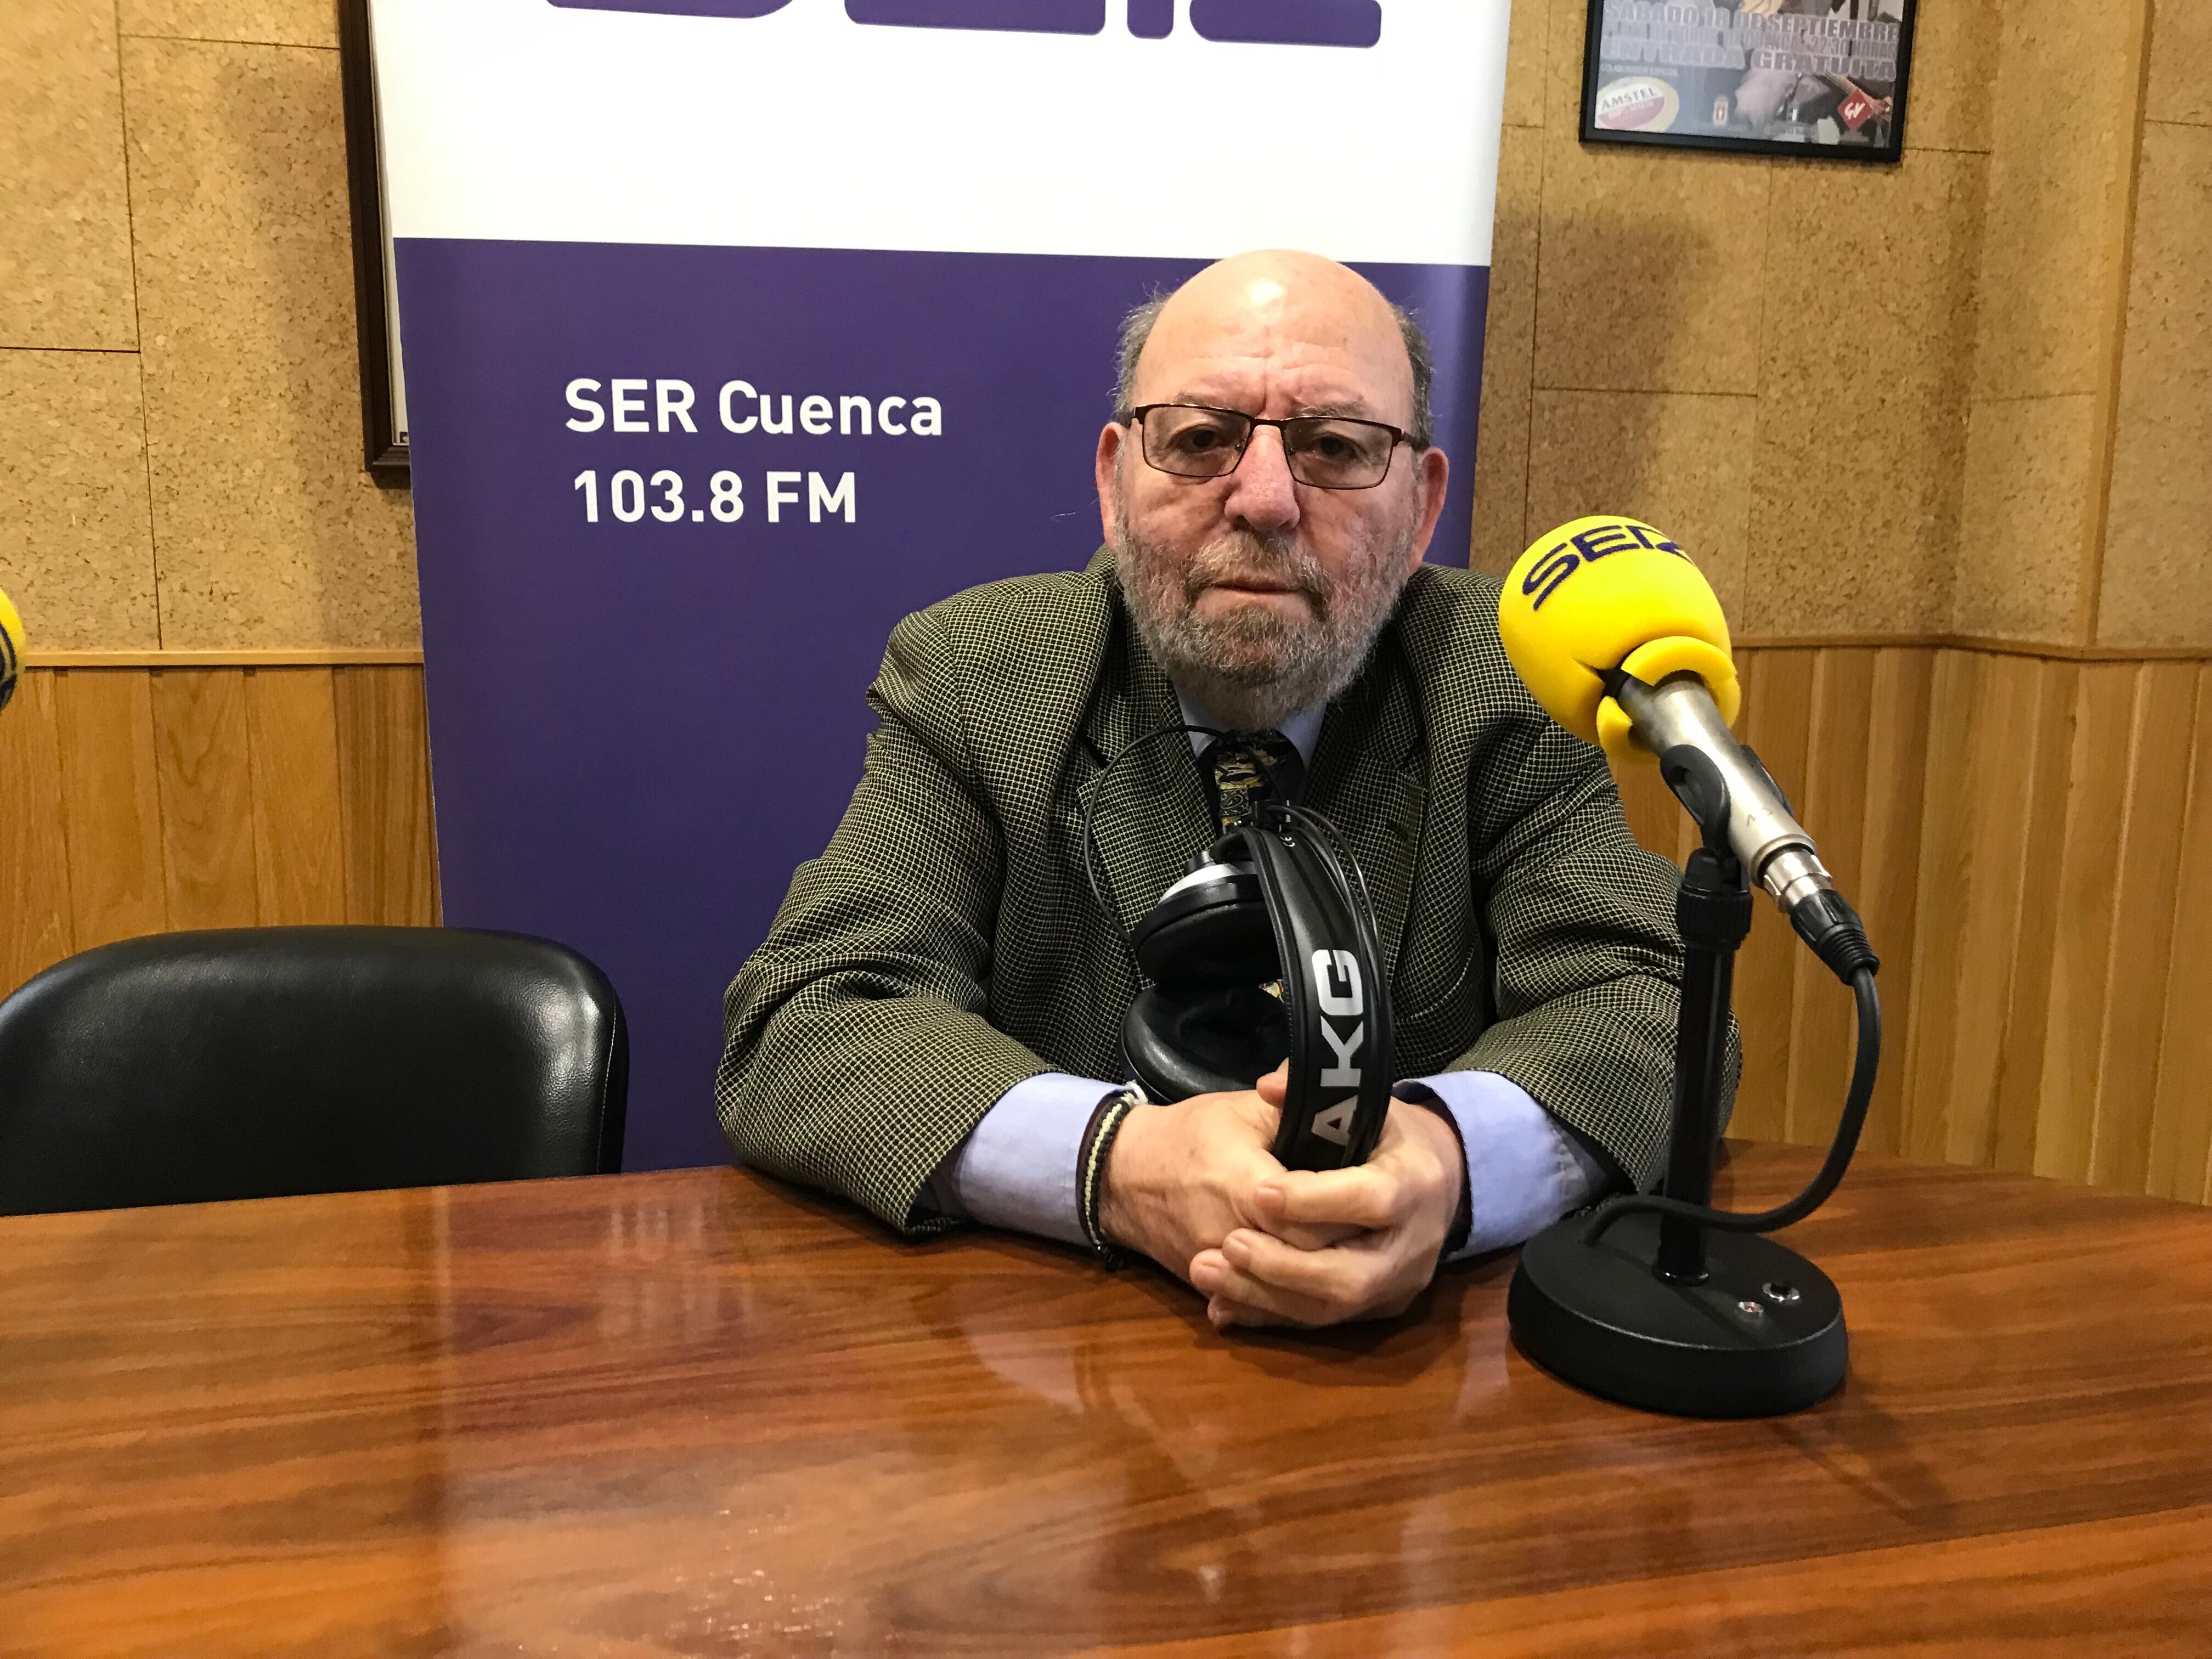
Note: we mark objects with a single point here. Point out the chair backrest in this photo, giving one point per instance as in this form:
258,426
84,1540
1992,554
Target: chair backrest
187,1066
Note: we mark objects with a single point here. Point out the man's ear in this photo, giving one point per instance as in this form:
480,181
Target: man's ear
1109,460
1432,475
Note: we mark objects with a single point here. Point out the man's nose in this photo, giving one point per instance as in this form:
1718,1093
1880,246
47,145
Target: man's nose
1262,492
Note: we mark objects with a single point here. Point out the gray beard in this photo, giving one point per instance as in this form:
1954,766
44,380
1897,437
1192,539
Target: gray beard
1255,668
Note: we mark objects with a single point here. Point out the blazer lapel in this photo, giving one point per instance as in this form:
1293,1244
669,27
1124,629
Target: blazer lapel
1369,779
1151,816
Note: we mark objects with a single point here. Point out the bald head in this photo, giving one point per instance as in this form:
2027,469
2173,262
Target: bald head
1257,300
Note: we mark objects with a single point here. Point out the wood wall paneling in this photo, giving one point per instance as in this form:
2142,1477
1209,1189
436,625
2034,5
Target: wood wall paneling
2181,1113
2020,1080
2030,841
202,753
35,927
146,798
1823,1021
1968,896
2082,954
299,839
111,793
1777,723
384,760
1895,796
2148,868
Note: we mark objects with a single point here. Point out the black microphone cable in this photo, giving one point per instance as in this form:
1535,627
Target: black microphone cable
1841,1149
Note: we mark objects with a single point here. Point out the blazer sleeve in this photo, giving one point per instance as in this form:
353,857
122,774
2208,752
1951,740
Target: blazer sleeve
856,1054
1588,959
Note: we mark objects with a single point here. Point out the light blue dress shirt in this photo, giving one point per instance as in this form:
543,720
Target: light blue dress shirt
1017,1169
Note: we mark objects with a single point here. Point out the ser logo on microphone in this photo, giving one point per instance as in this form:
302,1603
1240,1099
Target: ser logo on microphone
1598,541
1338,990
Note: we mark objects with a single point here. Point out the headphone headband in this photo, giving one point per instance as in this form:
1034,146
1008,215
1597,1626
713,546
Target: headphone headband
1206,1024
1336,1001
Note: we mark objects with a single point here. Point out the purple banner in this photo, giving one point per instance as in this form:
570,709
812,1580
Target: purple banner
647,633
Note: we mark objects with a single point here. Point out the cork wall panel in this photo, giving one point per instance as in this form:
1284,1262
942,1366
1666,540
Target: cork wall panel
64,201
1682,462
1954,52
76,551
1650,260
2054,239
268,531
2158,543
1652,269
1525,77
1565,34
252,22
1501,461
2180,82
2026,501
1862,432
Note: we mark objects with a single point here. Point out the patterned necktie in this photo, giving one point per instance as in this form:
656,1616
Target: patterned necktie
1246,768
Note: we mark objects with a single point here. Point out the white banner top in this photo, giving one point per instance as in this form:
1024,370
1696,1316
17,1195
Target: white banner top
532,120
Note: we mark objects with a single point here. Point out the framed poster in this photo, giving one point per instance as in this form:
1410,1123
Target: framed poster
376,269
1766,78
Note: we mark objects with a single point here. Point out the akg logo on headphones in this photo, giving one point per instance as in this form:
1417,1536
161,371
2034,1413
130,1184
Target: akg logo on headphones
1337,989
1259,22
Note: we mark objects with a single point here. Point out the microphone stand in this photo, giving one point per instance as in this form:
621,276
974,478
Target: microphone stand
1665,1312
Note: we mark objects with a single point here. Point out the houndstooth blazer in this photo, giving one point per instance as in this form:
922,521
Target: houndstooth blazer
947,944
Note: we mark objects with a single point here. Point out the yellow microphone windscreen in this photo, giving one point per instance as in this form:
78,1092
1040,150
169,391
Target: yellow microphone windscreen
1607,592
11,649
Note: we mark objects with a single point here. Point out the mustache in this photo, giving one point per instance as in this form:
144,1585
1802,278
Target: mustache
1243,556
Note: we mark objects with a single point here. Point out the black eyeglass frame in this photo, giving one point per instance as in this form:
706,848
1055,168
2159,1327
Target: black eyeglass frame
1254,422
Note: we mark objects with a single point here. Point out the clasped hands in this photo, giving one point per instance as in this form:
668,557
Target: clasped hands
1195,1187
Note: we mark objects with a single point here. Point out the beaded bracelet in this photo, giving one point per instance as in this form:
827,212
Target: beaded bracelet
1090,1166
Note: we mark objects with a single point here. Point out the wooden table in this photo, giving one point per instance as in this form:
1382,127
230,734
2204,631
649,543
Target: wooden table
699,1415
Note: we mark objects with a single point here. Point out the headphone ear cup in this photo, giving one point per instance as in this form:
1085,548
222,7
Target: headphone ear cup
1220,1042
1208,936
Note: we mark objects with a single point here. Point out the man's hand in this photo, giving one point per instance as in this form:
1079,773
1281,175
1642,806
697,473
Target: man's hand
1181,1179
1392,1213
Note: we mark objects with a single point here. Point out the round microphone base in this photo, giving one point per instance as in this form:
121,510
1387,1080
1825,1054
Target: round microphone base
1763,1334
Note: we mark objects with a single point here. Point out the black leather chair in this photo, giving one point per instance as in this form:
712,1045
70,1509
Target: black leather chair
188,1066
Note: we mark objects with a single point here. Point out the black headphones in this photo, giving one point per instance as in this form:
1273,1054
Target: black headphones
1268,951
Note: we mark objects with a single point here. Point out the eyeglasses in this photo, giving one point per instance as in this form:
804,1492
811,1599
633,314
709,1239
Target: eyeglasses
1329,452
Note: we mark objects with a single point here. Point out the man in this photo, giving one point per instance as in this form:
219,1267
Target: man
931,1027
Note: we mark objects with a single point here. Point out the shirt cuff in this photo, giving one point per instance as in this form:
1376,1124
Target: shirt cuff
1523,1170
1017,1169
